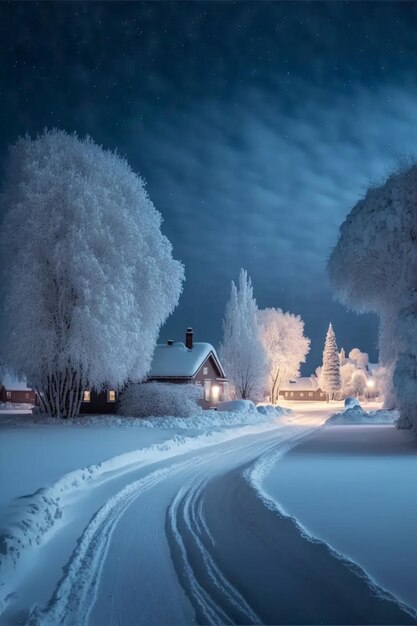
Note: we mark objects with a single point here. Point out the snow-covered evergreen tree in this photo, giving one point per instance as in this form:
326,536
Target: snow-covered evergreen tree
87,277
285,344
330,372
373,268
242,352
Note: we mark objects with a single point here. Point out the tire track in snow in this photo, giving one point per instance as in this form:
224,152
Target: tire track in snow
214,564
76,593
214,597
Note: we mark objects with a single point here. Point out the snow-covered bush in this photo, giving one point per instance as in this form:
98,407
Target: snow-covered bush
285,344
242,352
160,399
373,269
86,276
357,415
237,406
351,402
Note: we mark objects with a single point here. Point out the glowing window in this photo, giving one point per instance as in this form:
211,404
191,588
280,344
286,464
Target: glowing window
87,396
215,393
8,394
301,394
310,393
111,395
205,371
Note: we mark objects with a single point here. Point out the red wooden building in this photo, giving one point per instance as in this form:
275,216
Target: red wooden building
15,391
303,389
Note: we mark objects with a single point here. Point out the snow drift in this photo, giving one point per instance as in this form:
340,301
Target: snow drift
357,415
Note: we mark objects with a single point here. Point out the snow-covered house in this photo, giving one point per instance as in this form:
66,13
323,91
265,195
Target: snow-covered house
16,391
190,362
303,388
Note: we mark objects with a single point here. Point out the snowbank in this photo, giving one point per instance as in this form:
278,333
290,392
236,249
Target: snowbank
354,488
350,402
357,415
237,406
15,406
237,415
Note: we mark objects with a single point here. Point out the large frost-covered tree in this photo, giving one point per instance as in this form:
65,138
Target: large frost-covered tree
242,352
285,344
374,268
330,372
87,277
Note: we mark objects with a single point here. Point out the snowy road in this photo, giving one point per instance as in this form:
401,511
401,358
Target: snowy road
194,539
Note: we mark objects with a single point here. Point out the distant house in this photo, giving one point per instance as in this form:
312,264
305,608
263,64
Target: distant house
15,391
179,363
303,388
191,362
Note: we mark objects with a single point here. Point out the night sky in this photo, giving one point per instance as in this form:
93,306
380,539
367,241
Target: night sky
257,126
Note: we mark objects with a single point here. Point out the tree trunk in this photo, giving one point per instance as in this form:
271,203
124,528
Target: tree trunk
273,388
63,394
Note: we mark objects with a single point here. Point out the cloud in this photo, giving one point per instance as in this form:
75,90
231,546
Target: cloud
266,188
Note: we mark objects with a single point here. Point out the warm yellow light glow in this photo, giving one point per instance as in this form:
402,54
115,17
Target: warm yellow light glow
215,392
87,396
111,396
370,383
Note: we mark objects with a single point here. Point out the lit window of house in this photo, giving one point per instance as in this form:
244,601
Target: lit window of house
310,393
111,395
215,393
207,388
205,371
301,394
87,396
8,394
291,393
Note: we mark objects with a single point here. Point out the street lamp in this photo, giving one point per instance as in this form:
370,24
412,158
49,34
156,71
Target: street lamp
370,384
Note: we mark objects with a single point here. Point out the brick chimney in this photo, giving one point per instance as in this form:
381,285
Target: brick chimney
189,339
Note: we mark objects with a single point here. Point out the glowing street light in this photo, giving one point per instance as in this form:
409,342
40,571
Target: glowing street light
370,384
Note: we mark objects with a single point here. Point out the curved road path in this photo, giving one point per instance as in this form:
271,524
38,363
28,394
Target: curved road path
194,540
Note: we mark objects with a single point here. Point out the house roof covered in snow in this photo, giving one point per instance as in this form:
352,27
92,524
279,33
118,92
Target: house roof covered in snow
11,383
177,361
303,383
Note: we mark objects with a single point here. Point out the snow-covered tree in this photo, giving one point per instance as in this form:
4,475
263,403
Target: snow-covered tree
373,268
347,370
361,359
358,383
242,352
87,277
285,344
330,372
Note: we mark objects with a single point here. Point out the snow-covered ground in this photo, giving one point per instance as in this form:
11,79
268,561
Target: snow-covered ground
355,487
161,521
